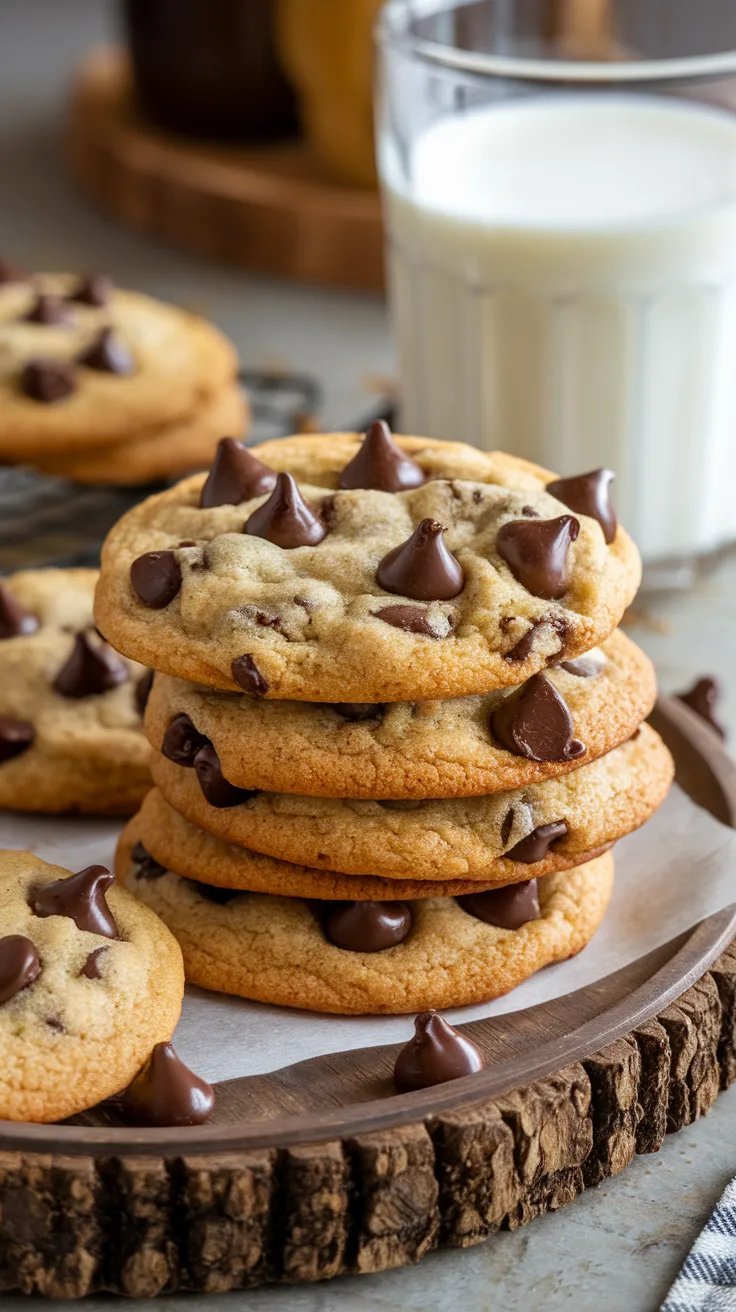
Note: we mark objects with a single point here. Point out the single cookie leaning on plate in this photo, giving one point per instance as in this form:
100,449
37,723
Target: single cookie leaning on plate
90,981
500,838
561,719
373,957
83,365
70,708
452,584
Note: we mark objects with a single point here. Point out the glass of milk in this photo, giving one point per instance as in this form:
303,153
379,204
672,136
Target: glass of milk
559,181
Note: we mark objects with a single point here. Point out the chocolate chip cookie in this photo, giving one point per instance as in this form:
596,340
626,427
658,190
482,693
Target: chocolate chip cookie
433,571
90,981
457,748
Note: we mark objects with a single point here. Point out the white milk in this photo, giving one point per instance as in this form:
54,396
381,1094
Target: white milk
563,279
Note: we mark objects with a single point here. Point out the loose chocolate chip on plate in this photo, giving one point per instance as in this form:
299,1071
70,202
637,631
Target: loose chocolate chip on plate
412,619
49,310
81,897
15,620
182,741
506,908
536,551
534,721
422,567
48,381
368,926
536,845
166,1092
437,1053
589,494
108,354
286,519
90,670
216,789
143,691
246,673
148,868
236,475
95,289
91,967
156,578
381,464
19,965
703,698
16,736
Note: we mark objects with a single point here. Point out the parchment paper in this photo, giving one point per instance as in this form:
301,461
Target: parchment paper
678,869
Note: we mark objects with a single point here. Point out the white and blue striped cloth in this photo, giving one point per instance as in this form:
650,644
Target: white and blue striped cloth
707,1281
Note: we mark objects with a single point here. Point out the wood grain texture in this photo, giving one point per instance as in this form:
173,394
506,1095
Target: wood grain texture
268,208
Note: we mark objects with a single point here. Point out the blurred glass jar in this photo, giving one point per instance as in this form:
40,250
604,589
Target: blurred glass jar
326,47
209,67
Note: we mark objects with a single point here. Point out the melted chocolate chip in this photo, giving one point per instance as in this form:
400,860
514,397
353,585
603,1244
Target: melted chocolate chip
56,1024
286,519
437,1053
703,698
19,965
217,790
359,711
589,494
48,381
81,897
422,567
506,908
536,551
535,722
368,926
412,619
143,691
524,647
166,1092
236,475
148,867
262,618
15,620
536,845
507,826
585,667
246,673
182,741
91,967
108,354
156,578
95,289
16,736
381,464
49,310
90,670
211,893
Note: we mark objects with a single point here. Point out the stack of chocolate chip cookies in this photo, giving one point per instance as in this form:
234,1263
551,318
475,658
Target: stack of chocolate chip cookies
106,386
396,730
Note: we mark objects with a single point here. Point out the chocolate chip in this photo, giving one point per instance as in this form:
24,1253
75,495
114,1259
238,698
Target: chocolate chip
529,512
48,381
156,578
703,698
534,721
95,289
589,494
359,711
536,845
91,967
437,1053
286,519
148,868
412,619
536,552
524,647
188,542
166,1092
15,620
49,310
143,691
56,1024
90,670
19,965
422,567
16,736
507,908
585,667
246,673
182,741
478,497
81,897
108,354
381,464
217,790
507,826
211,893
262,618
368,926
236,475
10,274
308,606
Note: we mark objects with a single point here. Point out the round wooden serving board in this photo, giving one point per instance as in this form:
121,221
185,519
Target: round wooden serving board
267,208
321,1169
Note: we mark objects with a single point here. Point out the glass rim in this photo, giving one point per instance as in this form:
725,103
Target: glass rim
392,31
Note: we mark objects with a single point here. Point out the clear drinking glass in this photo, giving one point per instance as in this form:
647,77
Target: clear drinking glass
559,179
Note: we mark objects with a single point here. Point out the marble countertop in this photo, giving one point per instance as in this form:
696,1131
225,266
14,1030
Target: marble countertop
618,1246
